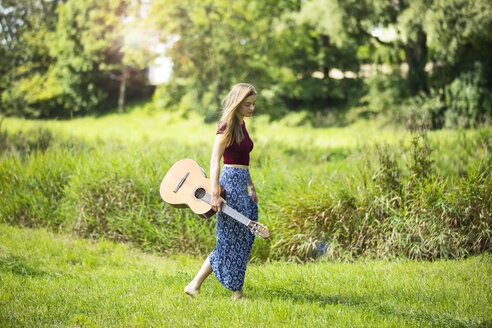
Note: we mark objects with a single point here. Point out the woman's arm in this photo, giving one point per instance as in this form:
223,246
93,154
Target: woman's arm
217,152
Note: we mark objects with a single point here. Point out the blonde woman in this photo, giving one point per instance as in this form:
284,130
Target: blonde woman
229,259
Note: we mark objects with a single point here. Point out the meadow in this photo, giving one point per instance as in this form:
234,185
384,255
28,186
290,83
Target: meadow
372,225
364,190
60,280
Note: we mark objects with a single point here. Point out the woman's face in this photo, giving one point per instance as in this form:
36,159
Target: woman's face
247,107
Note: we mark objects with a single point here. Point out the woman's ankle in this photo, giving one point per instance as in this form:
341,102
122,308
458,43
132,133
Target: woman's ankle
238,295
192,290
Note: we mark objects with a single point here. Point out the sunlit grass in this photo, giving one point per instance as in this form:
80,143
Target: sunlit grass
98,177
134,127
140,124
60,280
317,151
324,150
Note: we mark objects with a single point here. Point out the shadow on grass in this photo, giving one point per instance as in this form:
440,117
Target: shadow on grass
19,266
370,304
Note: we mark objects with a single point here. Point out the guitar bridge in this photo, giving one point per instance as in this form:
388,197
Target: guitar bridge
180,183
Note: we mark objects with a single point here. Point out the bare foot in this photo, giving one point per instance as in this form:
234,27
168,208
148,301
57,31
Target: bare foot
238,295
193,292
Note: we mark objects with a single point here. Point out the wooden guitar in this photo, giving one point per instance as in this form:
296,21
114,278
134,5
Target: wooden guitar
186,185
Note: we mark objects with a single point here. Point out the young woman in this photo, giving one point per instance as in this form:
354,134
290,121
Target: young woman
229,259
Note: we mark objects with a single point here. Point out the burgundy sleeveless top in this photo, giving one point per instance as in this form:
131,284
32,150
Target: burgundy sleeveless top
237,153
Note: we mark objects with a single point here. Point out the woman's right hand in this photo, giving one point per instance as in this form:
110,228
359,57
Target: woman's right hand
217,202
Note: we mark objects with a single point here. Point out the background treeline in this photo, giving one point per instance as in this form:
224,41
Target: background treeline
429,59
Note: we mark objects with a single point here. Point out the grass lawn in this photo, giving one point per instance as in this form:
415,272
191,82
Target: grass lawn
51,280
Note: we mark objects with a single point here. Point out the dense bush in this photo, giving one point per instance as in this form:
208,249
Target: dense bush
320,99
468,98
463,102
385,93
396,205
94,194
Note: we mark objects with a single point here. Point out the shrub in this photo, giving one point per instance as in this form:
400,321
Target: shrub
425,109
385,93
396,205
465,102
467,99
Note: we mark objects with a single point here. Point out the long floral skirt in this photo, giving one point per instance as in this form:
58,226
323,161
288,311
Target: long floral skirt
234,240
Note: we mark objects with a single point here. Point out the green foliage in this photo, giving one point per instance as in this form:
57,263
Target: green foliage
396,205
454,33
425,109
204,37
68,58
209,57
468,100
87,46
24,33
63,58
464,103
103,199
459,29
25,142
385,93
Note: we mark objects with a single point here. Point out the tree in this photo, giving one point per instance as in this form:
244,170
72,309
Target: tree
77,59
460,36
215,44
93,58
357,21
24,29
310,53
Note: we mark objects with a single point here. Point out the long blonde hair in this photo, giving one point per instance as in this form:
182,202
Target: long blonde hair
233,131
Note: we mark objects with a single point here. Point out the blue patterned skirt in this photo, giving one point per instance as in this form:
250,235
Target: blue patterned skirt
234,240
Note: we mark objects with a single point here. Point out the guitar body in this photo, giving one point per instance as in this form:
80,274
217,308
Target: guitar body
186,185
185,196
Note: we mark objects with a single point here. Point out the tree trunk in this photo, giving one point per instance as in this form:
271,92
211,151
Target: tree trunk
216,73
325,43
416,57
121,98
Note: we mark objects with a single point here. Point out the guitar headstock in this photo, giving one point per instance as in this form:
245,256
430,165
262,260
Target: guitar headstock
259,229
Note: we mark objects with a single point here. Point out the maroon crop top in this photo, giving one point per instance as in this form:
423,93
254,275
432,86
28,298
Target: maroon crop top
237,153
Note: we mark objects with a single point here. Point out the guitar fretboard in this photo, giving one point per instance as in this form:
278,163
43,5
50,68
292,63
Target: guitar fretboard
228,210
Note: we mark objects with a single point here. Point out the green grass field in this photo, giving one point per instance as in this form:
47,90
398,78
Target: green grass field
56,280
86,241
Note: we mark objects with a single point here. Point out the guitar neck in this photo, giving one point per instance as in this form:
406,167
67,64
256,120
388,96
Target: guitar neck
229,211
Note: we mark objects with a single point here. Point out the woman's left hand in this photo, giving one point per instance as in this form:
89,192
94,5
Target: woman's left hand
254,197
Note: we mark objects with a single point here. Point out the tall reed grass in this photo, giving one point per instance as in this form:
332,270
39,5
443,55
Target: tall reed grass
396,204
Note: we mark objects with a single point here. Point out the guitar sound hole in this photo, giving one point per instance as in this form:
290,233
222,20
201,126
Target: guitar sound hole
200,193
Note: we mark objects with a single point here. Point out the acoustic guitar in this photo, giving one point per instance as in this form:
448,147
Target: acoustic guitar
187,185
